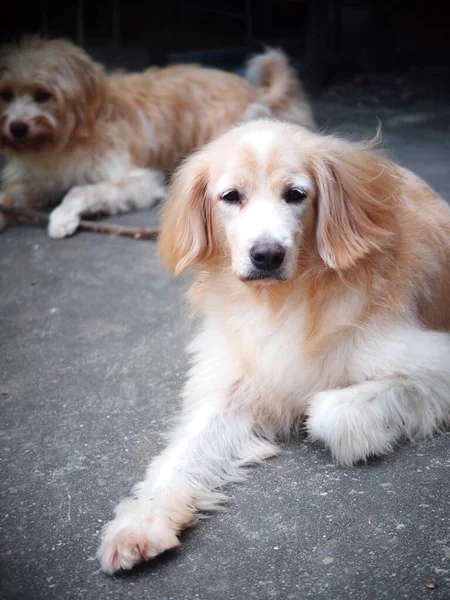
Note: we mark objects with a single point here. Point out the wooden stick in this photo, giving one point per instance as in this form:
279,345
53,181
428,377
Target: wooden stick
35,216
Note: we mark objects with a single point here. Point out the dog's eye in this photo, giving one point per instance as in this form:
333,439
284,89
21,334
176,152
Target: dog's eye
294,195
232,197
41,96
7,95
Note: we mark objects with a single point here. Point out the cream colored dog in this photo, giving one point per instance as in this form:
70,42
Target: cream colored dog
323,286
105,141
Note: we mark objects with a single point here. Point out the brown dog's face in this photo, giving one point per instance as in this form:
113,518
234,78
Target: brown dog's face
30,117
49,91
269,200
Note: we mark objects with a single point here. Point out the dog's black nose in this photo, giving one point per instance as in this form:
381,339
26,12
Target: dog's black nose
267,256
19,129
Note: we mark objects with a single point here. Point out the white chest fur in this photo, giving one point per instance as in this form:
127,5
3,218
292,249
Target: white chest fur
274,347
266,353
270,351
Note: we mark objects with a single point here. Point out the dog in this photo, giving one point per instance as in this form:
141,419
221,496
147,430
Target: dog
104,142
322,283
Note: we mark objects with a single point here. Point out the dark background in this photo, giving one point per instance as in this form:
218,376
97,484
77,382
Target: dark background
328,40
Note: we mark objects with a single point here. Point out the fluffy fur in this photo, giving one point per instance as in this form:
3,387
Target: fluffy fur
105,141
349,332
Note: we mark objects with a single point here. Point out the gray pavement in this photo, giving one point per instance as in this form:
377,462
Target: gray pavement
92,361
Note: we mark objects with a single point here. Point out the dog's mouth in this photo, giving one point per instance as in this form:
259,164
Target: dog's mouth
263,276
22,135
34,142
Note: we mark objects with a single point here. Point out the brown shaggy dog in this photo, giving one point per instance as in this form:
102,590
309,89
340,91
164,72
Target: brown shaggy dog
105,141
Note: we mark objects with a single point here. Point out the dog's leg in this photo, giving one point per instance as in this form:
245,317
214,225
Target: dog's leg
139,189
406,395
207,450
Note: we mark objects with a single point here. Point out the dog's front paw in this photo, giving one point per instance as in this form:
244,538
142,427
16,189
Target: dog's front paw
351,424
128,540
63,222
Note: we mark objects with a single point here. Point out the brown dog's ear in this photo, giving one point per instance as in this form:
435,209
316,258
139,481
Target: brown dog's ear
81,81
357,193
89,98
186,228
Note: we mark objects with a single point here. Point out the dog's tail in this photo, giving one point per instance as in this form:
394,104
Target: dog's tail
281,92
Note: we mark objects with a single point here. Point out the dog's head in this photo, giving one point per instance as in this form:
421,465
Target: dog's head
271,199
49,92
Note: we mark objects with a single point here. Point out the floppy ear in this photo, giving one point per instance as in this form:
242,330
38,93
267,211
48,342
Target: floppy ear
82,80
89,97
186,228
357,194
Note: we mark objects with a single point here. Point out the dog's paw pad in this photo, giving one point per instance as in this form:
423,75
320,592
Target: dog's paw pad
128,541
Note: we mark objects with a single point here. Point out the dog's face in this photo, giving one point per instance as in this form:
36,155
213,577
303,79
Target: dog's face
261,194
49,91
268,199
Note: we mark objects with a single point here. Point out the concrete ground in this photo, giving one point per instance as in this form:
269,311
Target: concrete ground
92,335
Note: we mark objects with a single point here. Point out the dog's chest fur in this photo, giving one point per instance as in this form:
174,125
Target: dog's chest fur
271,349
